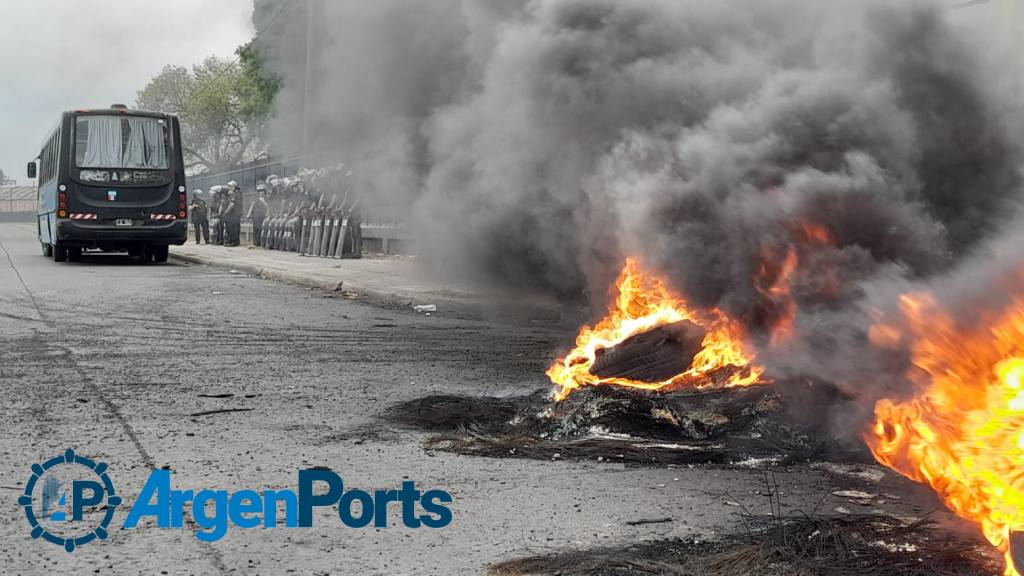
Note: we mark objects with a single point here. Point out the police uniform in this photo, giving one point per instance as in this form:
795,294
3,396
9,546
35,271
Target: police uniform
217,216
258,214
200,218
233,216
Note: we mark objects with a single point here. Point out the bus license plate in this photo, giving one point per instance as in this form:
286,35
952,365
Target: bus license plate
122,222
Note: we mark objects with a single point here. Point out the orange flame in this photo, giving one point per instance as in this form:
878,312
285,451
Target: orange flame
963,431
644,302
773,281
774,278
816,233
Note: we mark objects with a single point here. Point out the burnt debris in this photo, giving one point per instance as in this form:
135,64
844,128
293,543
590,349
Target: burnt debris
652,356
797,546
782,423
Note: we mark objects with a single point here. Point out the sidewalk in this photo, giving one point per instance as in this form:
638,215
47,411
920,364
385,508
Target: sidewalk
384,281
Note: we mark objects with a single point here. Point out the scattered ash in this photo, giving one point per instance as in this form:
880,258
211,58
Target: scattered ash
783,424
376,433
797,546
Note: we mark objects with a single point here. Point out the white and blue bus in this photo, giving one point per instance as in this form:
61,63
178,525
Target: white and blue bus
111,180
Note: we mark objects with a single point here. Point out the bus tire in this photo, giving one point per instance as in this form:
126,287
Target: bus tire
47,250
160,253
60,253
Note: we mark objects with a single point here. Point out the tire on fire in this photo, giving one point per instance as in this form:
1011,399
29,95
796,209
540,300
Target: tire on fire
653,356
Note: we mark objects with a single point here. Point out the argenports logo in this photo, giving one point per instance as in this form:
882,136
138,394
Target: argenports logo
70,500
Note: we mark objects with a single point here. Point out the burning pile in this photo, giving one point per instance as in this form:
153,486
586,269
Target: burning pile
962,432
709,344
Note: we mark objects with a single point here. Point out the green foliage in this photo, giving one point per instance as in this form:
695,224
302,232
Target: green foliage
223,106
257,88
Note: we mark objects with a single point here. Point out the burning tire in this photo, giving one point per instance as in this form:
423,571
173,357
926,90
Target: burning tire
653,356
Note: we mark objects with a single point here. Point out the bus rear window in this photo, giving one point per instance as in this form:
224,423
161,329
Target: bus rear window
138,142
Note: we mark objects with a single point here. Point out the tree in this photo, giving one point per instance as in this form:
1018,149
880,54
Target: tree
223,106
257,88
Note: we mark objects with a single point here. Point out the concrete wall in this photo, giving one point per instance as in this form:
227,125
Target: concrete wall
17,199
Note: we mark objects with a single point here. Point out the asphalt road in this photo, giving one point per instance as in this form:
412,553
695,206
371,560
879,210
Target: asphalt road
111,358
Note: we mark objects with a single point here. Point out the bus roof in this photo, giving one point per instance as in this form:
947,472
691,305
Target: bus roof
125,111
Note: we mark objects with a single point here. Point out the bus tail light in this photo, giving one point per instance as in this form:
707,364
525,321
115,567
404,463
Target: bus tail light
182,214
62,214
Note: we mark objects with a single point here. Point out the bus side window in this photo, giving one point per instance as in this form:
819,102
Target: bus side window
49,168
56,154
44,164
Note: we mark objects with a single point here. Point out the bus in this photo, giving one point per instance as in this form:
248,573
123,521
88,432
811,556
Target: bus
111,180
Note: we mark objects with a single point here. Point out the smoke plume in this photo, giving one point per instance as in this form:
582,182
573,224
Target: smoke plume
538,143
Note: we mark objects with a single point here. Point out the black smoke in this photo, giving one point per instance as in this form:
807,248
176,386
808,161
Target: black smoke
538,143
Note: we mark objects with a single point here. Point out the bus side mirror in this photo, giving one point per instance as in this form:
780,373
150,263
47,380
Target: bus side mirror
32,170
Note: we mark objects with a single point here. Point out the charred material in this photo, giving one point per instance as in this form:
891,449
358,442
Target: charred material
1017,551
652,356
798,546
783,423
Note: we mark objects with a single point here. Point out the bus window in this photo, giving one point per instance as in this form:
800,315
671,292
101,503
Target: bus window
138,142
44,164
53,157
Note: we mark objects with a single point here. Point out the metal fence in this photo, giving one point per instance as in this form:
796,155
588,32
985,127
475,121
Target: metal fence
247,176
375,212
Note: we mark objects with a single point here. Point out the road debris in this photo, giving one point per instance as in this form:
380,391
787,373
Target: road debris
854,494
222,411
643,521
803,545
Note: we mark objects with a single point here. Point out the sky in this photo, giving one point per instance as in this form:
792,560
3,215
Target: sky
59,55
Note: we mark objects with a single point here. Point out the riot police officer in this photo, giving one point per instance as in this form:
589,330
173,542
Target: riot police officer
200,217
258,213
216,213
233,215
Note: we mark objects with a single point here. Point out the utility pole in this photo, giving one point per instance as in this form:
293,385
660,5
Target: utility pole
307,95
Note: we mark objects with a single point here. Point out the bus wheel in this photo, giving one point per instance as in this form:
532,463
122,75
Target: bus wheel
60,253
160,253
47,250
144,253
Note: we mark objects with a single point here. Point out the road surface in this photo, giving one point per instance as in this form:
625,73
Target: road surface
111,358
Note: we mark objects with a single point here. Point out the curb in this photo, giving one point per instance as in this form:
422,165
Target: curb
447,307
369,295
